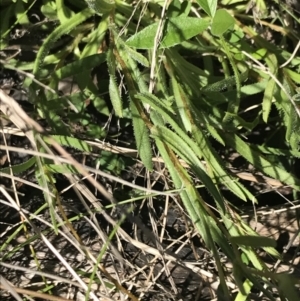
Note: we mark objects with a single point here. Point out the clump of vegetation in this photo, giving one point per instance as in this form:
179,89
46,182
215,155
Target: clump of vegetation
172,90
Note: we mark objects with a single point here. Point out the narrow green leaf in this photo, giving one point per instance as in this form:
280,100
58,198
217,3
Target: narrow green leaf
225,83
254,241
173,140
285,107
56,34
52,117
190,76
69,142
46,180
16,169
215,134
267,100
141,134
295,76
115,96
254,88
219,171
180,144
79,66
210,231
222,22
260,162
233,106
198,215
131,68
62,168
247,286
176,30
188,150
293,128
113,89
96,38
137,56
101,6
272,63
206,226
181,103
156,103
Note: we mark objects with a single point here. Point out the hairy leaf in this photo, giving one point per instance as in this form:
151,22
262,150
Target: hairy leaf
113,89
79,66
16,169
175,31
141,134
69,142
56,34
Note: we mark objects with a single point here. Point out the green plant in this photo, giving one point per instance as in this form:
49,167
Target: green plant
175,107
